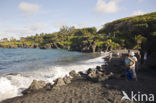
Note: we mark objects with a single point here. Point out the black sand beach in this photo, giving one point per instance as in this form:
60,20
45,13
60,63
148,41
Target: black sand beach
103,85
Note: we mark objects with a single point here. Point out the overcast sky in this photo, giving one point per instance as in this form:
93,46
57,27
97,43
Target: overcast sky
28,17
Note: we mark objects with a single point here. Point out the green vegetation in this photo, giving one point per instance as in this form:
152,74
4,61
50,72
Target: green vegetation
128,32
131,31
85,40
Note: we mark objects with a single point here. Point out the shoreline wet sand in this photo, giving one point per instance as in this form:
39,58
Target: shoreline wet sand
103,85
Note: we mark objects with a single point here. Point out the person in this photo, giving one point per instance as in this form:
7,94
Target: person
129,73
132,65
138,63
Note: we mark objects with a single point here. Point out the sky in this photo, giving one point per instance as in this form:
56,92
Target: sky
20,18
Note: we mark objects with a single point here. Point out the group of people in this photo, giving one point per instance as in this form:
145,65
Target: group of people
130,63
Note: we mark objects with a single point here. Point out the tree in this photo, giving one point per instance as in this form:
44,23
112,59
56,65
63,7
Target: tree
22,39
5,40
12,40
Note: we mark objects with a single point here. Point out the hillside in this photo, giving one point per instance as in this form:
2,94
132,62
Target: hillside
135,32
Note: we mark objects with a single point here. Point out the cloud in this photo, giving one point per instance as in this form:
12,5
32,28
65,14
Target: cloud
138,12
107,7
27,30
20,32
28,8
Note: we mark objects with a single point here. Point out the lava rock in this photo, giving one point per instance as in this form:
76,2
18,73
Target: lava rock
35,85
74,74
67,79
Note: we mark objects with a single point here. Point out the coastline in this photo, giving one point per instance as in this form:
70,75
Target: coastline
101,85
12,83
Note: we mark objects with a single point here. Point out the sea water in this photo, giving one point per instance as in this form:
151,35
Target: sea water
19,67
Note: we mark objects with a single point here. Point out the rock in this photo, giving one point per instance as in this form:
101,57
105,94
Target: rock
104,76
48,86
59,82
35,85
99,68
92,74
74,74
82,74
99,73
89,70
67,79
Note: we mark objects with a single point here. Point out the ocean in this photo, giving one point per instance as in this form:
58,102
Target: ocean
19,67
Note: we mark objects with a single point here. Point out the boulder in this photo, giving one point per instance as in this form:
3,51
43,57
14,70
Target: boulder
99,73
92,74
59,82
74,74
35,85
89,70
82,74
99,68
48,86
67,79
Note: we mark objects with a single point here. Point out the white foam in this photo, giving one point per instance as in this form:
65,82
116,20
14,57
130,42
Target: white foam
12,85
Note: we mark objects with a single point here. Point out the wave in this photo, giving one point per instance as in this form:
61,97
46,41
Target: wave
12,85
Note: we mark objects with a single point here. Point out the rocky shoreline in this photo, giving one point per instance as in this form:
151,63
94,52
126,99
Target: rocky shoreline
101,85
